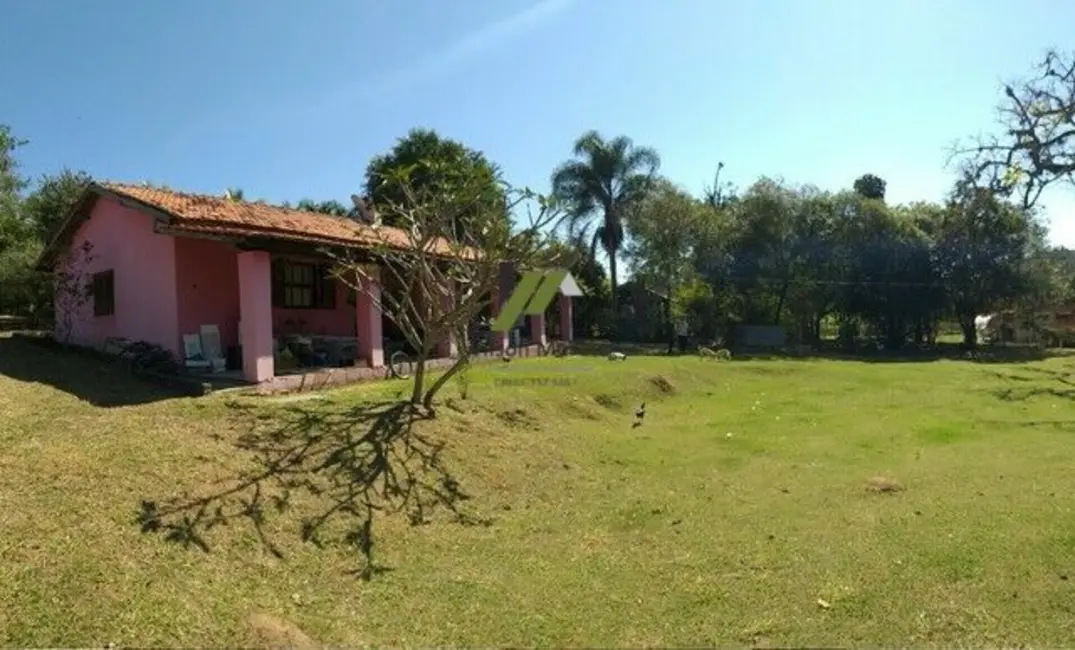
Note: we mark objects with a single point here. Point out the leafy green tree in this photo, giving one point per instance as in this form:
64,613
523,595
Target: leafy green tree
664,226
1052,270
599,185
13,226
816,262
888,270
870,187
331,207
23,290
52,201
982,252
719,195
435,164
764,249
697,303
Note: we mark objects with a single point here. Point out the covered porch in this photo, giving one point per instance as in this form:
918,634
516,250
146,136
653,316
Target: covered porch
280,313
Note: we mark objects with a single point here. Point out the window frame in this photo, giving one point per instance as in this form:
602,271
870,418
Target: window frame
103,293
321,287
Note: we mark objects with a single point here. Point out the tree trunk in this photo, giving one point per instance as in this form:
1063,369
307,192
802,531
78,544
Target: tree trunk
671,325
970,334
442,381
817,330
780,303
615,294
419,378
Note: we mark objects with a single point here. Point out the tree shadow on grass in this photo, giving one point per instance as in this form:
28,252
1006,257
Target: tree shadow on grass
357,462
86,377
1036,382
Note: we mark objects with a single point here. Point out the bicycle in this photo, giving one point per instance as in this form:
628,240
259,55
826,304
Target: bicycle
399,364
554,349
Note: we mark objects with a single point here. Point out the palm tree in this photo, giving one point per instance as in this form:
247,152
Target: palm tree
598,186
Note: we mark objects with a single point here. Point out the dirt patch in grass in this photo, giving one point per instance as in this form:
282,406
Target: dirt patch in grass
884,485
266,631
662,384
608,401
518,417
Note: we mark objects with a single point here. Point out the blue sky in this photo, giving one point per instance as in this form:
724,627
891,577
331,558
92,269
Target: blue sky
290,99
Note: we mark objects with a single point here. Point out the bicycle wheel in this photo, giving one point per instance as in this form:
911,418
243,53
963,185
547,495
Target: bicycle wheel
399,364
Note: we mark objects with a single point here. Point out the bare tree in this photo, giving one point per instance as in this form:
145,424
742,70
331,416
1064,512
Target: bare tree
1037,146
72,288
437,282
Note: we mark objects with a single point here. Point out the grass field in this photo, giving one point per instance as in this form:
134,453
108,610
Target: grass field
740,513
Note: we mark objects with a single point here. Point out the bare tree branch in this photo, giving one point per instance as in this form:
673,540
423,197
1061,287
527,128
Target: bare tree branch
1037,147
435,280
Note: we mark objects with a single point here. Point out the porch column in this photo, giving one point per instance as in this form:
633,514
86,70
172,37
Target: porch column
368,308
505,284
537,329
567,332
446,347
255,314
500,339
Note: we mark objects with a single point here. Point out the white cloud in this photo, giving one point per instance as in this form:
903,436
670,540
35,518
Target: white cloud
473,45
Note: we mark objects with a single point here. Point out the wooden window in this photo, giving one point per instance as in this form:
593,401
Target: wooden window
103,290
298,285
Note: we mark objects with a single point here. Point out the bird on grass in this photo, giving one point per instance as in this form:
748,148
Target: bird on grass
640,415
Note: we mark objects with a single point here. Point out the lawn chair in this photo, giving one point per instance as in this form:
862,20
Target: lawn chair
211,347
194,357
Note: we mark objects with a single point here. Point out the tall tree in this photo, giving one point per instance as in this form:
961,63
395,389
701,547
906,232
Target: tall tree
888,269
52,200
605,178
870,187
435,165
719,195
13,226
1037,145
664,226
764,249
982,253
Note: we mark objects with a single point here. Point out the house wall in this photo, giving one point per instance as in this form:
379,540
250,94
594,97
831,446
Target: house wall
207,287
330,322
143,263
207,282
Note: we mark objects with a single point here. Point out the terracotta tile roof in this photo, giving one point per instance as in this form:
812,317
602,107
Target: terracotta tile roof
216,215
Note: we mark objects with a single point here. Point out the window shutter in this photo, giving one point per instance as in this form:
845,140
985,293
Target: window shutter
326,287
277,282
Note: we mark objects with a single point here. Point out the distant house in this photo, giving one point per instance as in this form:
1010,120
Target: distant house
1052,325
164,264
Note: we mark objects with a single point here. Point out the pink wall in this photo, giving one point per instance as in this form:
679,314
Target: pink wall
145,289
332,322
166,287
207,279
207,286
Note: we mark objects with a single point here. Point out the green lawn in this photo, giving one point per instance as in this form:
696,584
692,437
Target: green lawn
739,513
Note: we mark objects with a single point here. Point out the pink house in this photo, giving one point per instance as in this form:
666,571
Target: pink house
161,264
